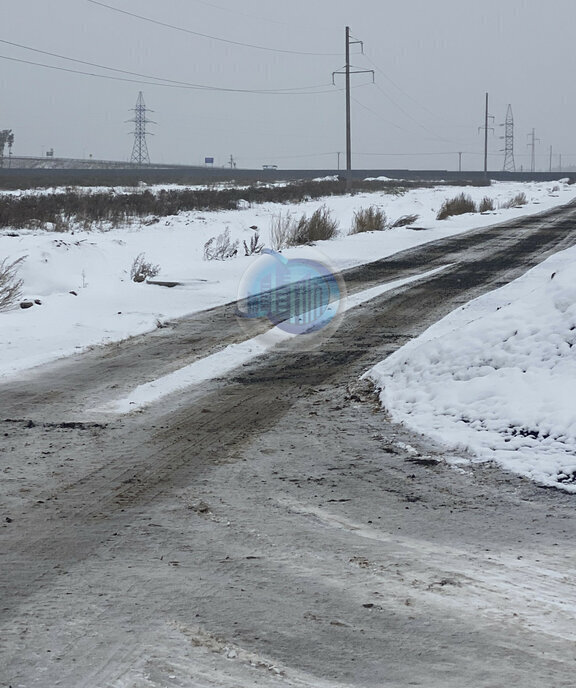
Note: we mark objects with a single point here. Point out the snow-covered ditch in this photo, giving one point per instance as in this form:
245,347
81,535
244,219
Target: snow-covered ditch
87,297
497,377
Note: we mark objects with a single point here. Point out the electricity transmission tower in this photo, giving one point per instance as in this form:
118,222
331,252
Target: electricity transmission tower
347,70
532,146
140,149
509,164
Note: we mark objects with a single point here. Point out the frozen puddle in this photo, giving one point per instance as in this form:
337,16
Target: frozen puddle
232,356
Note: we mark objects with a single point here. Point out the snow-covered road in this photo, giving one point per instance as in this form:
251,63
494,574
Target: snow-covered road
270,527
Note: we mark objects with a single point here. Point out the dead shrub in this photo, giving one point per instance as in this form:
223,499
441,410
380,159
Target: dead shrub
517,202
280,230
220,247
10,284
368,220
254,247
485,205
404,221
141,270
459,205
321,226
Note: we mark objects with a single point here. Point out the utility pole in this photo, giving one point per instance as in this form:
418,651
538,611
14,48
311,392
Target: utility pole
532,145
486,128
348,116
338,154
486,138
348,70
509,164
550,158
459,162
140,149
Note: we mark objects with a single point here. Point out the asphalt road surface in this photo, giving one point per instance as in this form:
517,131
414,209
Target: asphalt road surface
274,528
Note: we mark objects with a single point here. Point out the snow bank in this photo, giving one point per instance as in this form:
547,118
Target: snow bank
497,376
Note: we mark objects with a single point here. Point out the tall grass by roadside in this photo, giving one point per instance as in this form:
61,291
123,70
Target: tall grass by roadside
368,220
516,202
320,226
10,283
464,204
77,209
287,230
485,205
459,205
281,227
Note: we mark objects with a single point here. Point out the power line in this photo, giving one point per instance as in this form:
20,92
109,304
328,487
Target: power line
292,157
371,154
402,109
348,70
414,100
428,153
397,126
411,117
167,83
379,116
146,76
204,35
405,93
241,14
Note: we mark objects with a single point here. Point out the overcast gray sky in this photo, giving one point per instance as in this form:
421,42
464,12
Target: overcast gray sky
433,60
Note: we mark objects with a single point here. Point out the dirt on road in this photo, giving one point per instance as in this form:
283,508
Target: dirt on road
274,528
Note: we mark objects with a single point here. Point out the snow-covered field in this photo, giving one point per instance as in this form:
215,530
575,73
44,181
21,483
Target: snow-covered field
497,376
87,296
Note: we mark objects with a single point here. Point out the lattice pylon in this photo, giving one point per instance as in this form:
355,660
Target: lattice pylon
140,154
509,164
